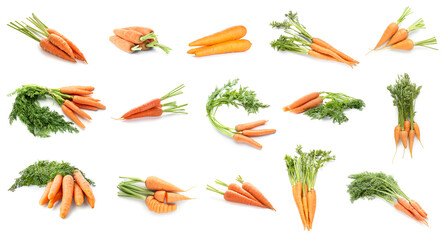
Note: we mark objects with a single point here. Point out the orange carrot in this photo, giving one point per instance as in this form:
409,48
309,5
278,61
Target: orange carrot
311,104
56,198
74,91
321,56
312,205
235,187
229,34
418,208
250,188
72,116
46,45
123,44
392,28
152,112
233,196
404,138
248,140
87,107
297,192
301,101
146,106
44,199
55,186
155,183
76,109
402,33
85,186
225,47
411,135
327,46
62,44
401,208
328,52
417,131
91,201
159,207
88,101
67,198
78,194
258,132
407,206
71,44
160,195
175,197
407,125
129,35
397,131
86,88
250,125
143,30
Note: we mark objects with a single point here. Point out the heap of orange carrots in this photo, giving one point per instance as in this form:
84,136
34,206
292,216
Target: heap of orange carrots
155,107
303,170
247,193
226,41
160,196
397,38
133,39
404,94
298,40
50,40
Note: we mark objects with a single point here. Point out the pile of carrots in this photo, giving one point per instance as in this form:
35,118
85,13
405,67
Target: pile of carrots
298,40
397,38
247,193
156,107
160,196
226,41
64,189
133,39
50,40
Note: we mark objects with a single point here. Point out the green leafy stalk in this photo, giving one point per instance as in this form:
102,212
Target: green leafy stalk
419,24
405,13
131,190
426,43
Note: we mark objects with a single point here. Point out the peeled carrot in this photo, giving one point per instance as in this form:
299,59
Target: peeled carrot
67,198
62,44
175,197
250,188
258,132
311,104
44,199
155,183
152,112
123,44
225,47
160,195
69,113
392,28
248,140
302,100
76,109
75,49
78,195
229,34
88,101
326,45
46,45
250,125
56,198
74,91
55,186
417,131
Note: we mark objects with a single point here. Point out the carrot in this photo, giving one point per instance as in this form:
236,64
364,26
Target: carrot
44,199
233,196
327,46
62,44
152,112
404,138
155,183
411,135
144,45
143,30
67,198
402,33
407,125
78,194
130,35
87,101
69,113
418,208
417,131
225,47
250,188
159,207
248,140
250,125
83,184
401,208
392,28
124,45
46,45
56,198
306,210
328,52
297,191
235,187
74,91
229,34
320,56
312,205
407,206
76,109
408,44
160,195
397,131
302,100
193,50
175,197
91,201
259,132
87,107
311,104
75,49
86,88
55,186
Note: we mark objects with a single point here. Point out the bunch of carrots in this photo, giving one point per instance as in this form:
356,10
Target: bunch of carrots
50,40
156,107
160,196
298,40
134,39
226,41
397,38
247,193
368,185
64,189
404,94
303,170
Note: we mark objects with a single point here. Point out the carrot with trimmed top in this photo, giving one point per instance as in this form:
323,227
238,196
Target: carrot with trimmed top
56,198
124,45
311,104
44,199
244,139
249,187
258,132
246,126
76,109
224,47
233,196
133,36
55,186
229,34
69,113
67,198
299,102
235,187
78,195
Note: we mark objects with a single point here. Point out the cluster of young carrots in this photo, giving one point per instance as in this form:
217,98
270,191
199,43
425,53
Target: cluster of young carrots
156,107
133,39
397,38
50,40
64,189
247,193
298,40
226,41
304,103
160,196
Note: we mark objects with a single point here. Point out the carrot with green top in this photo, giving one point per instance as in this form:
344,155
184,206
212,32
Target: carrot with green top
69,113
250,188
235,187
258,132
299,102
67,198
403,33
56,198
55,186
409,44
44,199
132,36
76,109
232,196
85,186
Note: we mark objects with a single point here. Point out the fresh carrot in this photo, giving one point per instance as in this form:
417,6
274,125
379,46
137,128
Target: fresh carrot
152,112
404,138
402,33
44,199
320,56
407,125
55,186
406,205
249,187
297,192
56,198
229,34
84,185
76,109
235,187
67,198
159,207
411,135
156,183
160,195
86,88
418,208
241,138
78,194
91,201
62,44
397,131
392,28
258,132
46,45
87,107
417,131
311,104
312,205
301,101
131,35
322,50
69,113
233,196
124,45
327,46
409,44
401,208
87,101
75,49
75,91
175,197
225,47
250,125
143,30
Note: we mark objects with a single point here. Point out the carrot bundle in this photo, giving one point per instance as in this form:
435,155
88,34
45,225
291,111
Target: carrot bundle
404,94
302,170
225,41
298,40
52,41
368,185
160,196
134,39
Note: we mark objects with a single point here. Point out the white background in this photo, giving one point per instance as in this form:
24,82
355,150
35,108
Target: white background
188,151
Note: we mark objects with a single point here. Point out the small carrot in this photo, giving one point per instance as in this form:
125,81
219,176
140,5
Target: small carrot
301,101
258,132
124,45
311,104
249,187
233,196
78,194
418,208
175,197
74,91
87,107
235,187
62,44
407,125
297,192
229,34
55,186
160,195
76,109
401,208
322,50
69,113
411,135
397,131
417,131
402,33
56,198
409,44
87,101
250,125
44,199
84,185
225,47
248,140
67,198
404,138
312,205
327,46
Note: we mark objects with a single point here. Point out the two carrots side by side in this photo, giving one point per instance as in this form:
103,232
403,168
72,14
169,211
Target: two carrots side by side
136,38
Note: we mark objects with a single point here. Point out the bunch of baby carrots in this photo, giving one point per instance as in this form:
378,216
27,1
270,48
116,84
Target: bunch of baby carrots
397,38
50,40
156,107
298,40
247,193
133,39
226,41
160,196
65,188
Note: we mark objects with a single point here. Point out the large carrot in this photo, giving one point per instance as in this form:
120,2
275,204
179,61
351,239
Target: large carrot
409,44
250,125
233,196
55,186
56,198
67,198
84,185
124,45
78,194
225,47
229,34
69,113
76,109
249,187
417,131
44,199
235,187
156,183
301,101
258,132
248,140
311,104
402,33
